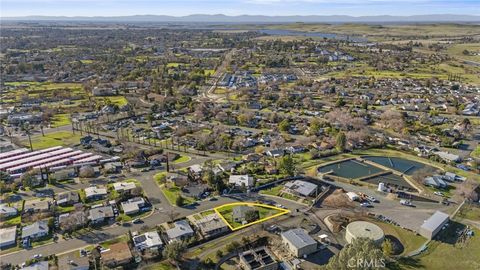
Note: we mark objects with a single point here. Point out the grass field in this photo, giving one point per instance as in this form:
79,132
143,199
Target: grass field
264,212
117,100
61,138
457,51
181,159
59,120
409,240
476,153
171,193
445,255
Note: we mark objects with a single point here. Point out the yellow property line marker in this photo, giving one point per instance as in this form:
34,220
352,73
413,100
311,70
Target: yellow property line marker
282,212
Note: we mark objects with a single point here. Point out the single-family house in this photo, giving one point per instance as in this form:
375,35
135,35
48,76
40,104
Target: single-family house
180,230
8,237
240,180
68,198
95,193
35,230
7,211
210,225
133,205
100,214
117,254
147,241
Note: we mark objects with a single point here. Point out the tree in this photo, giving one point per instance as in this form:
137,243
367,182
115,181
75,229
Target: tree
387,247
287,165
284,125
251,215
362,253
180,201
28,179
340,102
4,176
219,254
341,142
86,172
173,251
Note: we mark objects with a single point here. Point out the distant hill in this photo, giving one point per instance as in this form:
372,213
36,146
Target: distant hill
220,18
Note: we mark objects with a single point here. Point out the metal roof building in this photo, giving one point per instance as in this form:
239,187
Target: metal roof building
299,242
433,225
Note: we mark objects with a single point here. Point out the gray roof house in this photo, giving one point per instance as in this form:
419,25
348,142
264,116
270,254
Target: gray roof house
210,225
7,211
95,193
100,214
299,242
239,213
8,236
240,180
181,230
433,224
35,230
299,187
133,205
67,198
149,240
43,265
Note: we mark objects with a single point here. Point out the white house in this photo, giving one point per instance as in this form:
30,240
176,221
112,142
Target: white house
240,180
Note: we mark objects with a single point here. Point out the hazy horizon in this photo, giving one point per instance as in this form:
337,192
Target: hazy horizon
109,8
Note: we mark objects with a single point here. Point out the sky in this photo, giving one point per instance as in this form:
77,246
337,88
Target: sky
13,8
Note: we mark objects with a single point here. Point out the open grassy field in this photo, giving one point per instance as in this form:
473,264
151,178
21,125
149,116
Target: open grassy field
181,159
446,255
457,51
117,100
61,138
384,32
171,193
409,240
59,120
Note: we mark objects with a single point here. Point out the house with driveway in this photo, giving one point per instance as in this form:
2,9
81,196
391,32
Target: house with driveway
36,230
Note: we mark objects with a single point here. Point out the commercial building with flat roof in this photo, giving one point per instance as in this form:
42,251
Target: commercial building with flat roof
299,242
433,225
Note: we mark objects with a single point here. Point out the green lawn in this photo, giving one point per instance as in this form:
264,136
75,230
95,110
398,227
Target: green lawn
476,153
227,212
409,240
119,239
160,266
17,220
470,212
275,191
444,255
59,120
181,159
61,138
65,209
171,193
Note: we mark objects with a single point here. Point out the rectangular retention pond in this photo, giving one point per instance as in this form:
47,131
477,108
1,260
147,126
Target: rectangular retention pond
401,165
350,169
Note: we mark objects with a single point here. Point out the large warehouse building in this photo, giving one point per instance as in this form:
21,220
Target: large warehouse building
21,160
433,225
363,229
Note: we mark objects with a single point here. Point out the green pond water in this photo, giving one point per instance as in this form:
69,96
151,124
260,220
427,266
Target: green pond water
405,166
350,169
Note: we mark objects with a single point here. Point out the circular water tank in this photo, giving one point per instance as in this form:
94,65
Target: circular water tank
363,229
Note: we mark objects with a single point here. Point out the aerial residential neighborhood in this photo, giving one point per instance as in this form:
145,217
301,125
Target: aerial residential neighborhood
254,142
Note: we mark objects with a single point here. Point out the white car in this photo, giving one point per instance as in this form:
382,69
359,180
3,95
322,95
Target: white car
366,204
438,193
37,256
